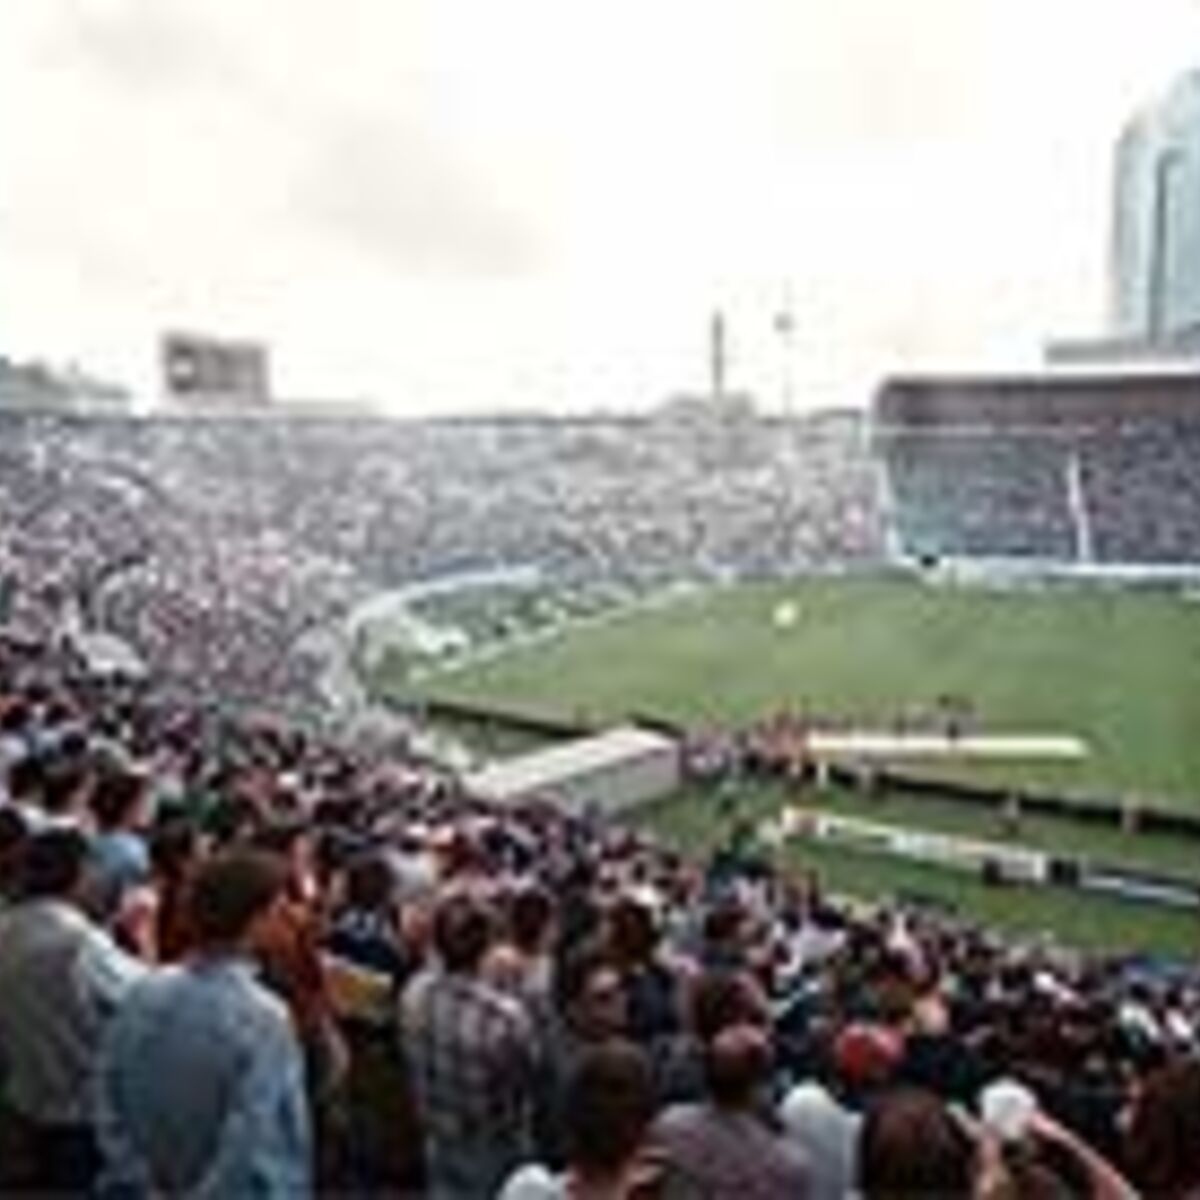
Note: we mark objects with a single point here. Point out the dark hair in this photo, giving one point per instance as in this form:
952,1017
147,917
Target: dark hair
116,795
1162,1143
911,1146
281,835
14,838
721,999
1033,1177
530,916
229,891
370,882
608,1105
15,717
724,922
231,819
14,830
26,778
61,783
173,844
53,863
576,969
632,931
736,1062
462,932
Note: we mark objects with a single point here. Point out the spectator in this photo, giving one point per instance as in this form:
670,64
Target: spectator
591,997
287,944
1162,1140
63,978
726,929
723,1147
590,1011
522,963
866,1056
469,1048
14,838
26,783
827,1134
65,789
368,962
367,930
911,1146
609,1106
120,858
15,746
202,1091
652,987
174,857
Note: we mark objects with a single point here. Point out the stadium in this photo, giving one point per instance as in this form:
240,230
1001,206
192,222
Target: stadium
1014,587
720,798
1003,567
917,666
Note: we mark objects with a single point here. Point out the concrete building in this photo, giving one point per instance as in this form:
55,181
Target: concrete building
610,772
1155,253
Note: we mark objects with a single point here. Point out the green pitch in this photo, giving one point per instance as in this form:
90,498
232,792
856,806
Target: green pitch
1119,669
696,822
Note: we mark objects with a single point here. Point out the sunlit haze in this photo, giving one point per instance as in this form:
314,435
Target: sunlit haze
442,205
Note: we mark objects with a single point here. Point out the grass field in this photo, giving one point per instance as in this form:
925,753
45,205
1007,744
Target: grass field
1120,670
693,821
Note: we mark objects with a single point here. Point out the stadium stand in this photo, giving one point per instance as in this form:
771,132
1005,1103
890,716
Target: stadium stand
982,495
1094,470
213,545
460,1000
1142,491
239,956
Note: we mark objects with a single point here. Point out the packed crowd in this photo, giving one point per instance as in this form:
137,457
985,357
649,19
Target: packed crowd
1142,491
1124,493
237,958
214,545
982,495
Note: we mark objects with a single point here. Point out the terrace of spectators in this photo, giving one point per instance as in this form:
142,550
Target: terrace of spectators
1057,467
459,1000
191,537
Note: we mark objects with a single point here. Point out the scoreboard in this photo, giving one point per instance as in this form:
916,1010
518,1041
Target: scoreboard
206,370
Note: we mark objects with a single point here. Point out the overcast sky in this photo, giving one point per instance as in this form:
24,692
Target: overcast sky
447,204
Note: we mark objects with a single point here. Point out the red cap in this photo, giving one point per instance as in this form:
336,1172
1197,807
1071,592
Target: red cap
866,1054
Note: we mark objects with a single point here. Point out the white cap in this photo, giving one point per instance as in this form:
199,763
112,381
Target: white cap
1006,1107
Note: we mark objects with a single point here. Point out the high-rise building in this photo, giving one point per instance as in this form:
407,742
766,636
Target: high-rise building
1155,266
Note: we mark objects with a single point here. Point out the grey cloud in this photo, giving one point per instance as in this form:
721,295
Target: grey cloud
406,204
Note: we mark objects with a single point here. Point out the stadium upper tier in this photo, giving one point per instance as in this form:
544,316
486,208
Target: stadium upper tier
1093,469
214,545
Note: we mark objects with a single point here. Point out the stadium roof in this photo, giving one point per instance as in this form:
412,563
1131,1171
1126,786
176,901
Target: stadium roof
1054,395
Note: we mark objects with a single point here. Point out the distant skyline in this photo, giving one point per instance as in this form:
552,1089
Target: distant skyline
442,205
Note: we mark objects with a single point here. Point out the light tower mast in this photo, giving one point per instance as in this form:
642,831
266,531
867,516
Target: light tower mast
717,355
785,330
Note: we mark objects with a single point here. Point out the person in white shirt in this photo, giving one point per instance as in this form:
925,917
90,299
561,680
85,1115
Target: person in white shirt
63,979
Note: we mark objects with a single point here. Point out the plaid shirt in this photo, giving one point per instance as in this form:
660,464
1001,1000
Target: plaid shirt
470,1049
